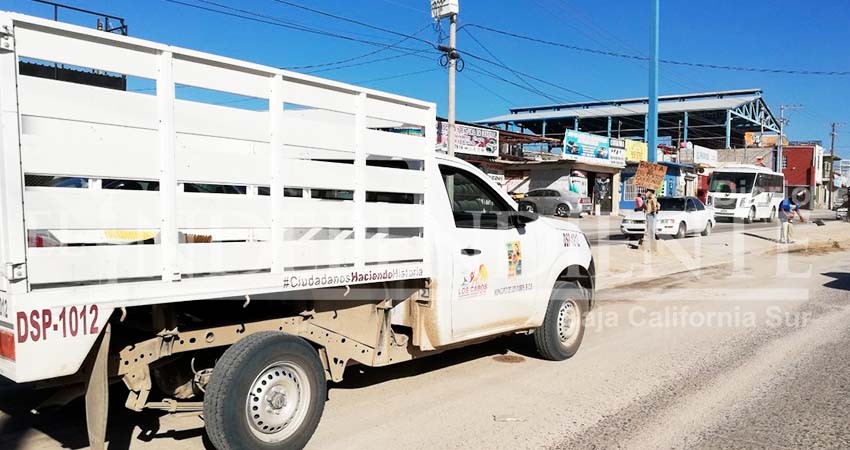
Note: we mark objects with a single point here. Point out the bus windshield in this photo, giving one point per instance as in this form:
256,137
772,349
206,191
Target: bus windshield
732,182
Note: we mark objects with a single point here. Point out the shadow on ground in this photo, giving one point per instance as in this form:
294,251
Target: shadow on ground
841,280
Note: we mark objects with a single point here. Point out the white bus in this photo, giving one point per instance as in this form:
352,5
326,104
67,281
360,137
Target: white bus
746,192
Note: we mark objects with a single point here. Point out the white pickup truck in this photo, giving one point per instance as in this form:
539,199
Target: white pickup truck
326,240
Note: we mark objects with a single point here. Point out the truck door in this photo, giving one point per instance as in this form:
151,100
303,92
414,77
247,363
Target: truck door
493,260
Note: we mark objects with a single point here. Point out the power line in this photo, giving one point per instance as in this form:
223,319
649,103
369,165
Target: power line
401,75
518,76
357,22
417,53
491,91
269,20
365,55
665,61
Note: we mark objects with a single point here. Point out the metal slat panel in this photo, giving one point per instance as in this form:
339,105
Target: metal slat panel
68,148
104,54
318,253
395,144
200,210
301,93
223,257
220,121
310,213
90,209
389,215
384,179
57,99
106,262
398,112
388,250
226,79
314,134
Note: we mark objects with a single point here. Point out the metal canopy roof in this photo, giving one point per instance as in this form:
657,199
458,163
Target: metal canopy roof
713,119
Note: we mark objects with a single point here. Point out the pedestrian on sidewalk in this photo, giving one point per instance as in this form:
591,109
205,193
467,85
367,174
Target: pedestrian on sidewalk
639,202
787,209
651,207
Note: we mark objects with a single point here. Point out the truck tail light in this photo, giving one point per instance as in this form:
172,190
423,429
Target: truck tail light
7,345
42,239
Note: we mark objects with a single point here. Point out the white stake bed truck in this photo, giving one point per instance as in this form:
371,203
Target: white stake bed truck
230,258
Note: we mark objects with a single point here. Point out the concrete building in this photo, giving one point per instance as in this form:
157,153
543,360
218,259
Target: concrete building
802,164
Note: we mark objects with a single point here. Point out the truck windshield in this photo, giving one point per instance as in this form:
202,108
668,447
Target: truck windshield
732,182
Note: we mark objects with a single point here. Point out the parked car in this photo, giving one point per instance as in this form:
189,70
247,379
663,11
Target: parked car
678,217
556,202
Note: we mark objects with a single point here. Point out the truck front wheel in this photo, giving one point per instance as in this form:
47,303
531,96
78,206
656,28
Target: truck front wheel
267,392
562,331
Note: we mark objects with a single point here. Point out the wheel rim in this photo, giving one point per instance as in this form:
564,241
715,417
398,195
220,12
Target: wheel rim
561,211
568,321
278,401
752,215
682,230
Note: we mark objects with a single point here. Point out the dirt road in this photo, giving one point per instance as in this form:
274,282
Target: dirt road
713,359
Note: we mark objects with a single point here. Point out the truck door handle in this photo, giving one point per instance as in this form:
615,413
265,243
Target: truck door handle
470,251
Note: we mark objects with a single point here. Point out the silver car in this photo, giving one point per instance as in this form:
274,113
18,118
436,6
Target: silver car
555,201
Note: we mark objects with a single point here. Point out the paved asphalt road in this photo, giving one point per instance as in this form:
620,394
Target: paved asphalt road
719,360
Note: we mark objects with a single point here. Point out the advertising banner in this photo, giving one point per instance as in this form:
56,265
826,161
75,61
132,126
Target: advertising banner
618,152
636,151
469,140
705,156
588,148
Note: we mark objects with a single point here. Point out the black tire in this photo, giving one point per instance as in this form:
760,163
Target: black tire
751,217
528,207
682,231
552,340
244,367
707,230
562,210
772,217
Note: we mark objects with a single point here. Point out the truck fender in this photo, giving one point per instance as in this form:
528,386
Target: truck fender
570,267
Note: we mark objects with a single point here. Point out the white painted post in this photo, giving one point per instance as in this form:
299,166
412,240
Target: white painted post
13,239
431,169
168,167
276,151
360,180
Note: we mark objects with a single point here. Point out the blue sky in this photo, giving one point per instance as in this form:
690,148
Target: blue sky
785,34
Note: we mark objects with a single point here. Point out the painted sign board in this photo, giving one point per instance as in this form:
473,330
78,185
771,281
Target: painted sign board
636,151
649,175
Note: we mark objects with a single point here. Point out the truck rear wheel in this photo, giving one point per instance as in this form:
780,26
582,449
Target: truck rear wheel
562,331
267,392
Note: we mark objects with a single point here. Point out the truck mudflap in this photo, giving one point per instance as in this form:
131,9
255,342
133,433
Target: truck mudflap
43,342
7,338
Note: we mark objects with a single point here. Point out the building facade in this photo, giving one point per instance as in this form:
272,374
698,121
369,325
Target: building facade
802,165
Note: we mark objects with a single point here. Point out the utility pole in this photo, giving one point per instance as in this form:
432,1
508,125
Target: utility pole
782,123
442,9
452,74
652,126
832,163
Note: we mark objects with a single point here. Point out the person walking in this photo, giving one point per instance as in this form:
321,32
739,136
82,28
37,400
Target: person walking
787,209
639,202
651,207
